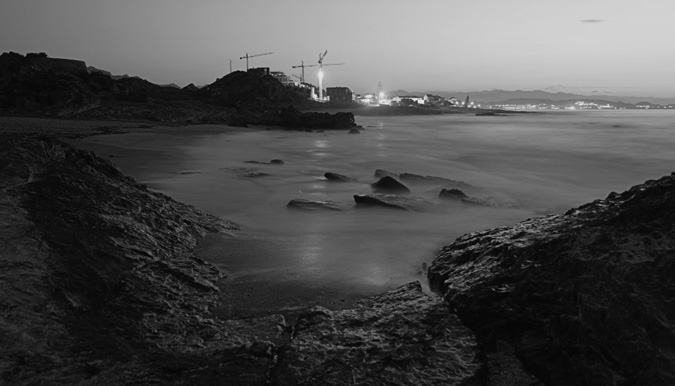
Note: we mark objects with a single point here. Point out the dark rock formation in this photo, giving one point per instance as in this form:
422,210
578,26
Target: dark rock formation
312,205
354,131
582,298
403,337
416,204
388,184
277,162
337,177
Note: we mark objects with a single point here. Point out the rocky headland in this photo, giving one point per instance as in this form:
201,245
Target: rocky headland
39,86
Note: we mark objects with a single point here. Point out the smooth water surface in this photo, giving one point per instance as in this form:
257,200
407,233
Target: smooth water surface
536,163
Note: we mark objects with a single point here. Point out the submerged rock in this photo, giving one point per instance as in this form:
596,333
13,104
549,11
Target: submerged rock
581,298
416,204
452,194
312,205
388,184
337,177
403,337
458,195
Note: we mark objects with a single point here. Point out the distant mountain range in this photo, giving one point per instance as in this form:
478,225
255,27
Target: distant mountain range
535,96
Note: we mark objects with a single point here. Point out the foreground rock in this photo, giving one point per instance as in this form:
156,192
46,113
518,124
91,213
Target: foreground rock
403,337
392,201
581,298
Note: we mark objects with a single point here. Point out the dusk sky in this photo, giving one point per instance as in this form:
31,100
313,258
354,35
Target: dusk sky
616,47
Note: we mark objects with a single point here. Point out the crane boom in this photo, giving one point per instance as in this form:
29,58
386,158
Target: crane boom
253,56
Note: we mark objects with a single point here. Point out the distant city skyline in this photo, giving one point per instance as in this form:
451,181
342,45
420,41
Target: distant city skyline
587,47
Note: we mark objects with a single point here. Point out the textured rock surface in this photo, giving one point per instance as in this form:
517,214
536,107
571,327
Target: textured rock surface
583,298
403,337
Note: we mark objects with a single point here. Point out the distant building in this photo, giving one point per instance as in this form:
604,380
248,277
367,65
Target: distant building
260,70
340,95
433,100
283,78
404,100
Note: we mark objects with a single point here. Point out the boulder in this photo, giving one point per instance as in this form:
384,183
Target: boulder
313,205
415,204
388,184
354,131
584,297
337,177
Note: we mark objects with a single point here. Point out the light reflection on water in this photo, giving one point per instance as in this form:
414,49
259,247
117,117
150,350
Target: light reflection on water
540,162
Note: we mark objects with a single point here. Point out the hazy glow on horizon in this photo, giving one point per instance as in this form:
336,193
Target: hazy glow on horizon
610,46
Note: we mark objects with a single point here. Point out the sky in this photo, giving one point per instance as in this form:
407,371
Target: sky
613,47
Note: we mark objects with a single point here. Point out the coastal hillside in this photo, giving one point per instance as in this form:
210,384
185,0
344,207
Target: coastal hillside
581,298
39,86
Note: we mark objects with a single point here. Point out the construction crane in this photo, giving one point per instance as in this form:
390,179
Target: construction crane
253,56
303,65
321,56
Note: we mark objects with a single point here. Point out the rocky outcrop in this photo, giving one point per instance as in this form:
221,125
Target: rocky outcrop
388,184
581,298
403,337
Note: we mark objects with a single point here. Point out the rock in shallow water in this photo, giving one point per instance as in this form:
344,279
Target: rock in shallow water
389,184
582,298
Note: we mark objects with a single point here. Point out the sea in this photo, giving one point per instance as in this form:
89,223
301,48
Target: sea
527,164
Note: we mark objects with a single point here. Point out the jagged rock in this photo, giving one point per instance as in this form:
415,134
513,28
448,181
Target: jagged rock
583,297
388,184
337,177
379,173
403,337
312,205
100,283
416,204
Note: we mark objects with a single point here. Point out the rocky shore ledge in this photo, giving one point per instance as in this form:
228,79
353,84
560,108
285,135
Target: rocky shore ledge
101,286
